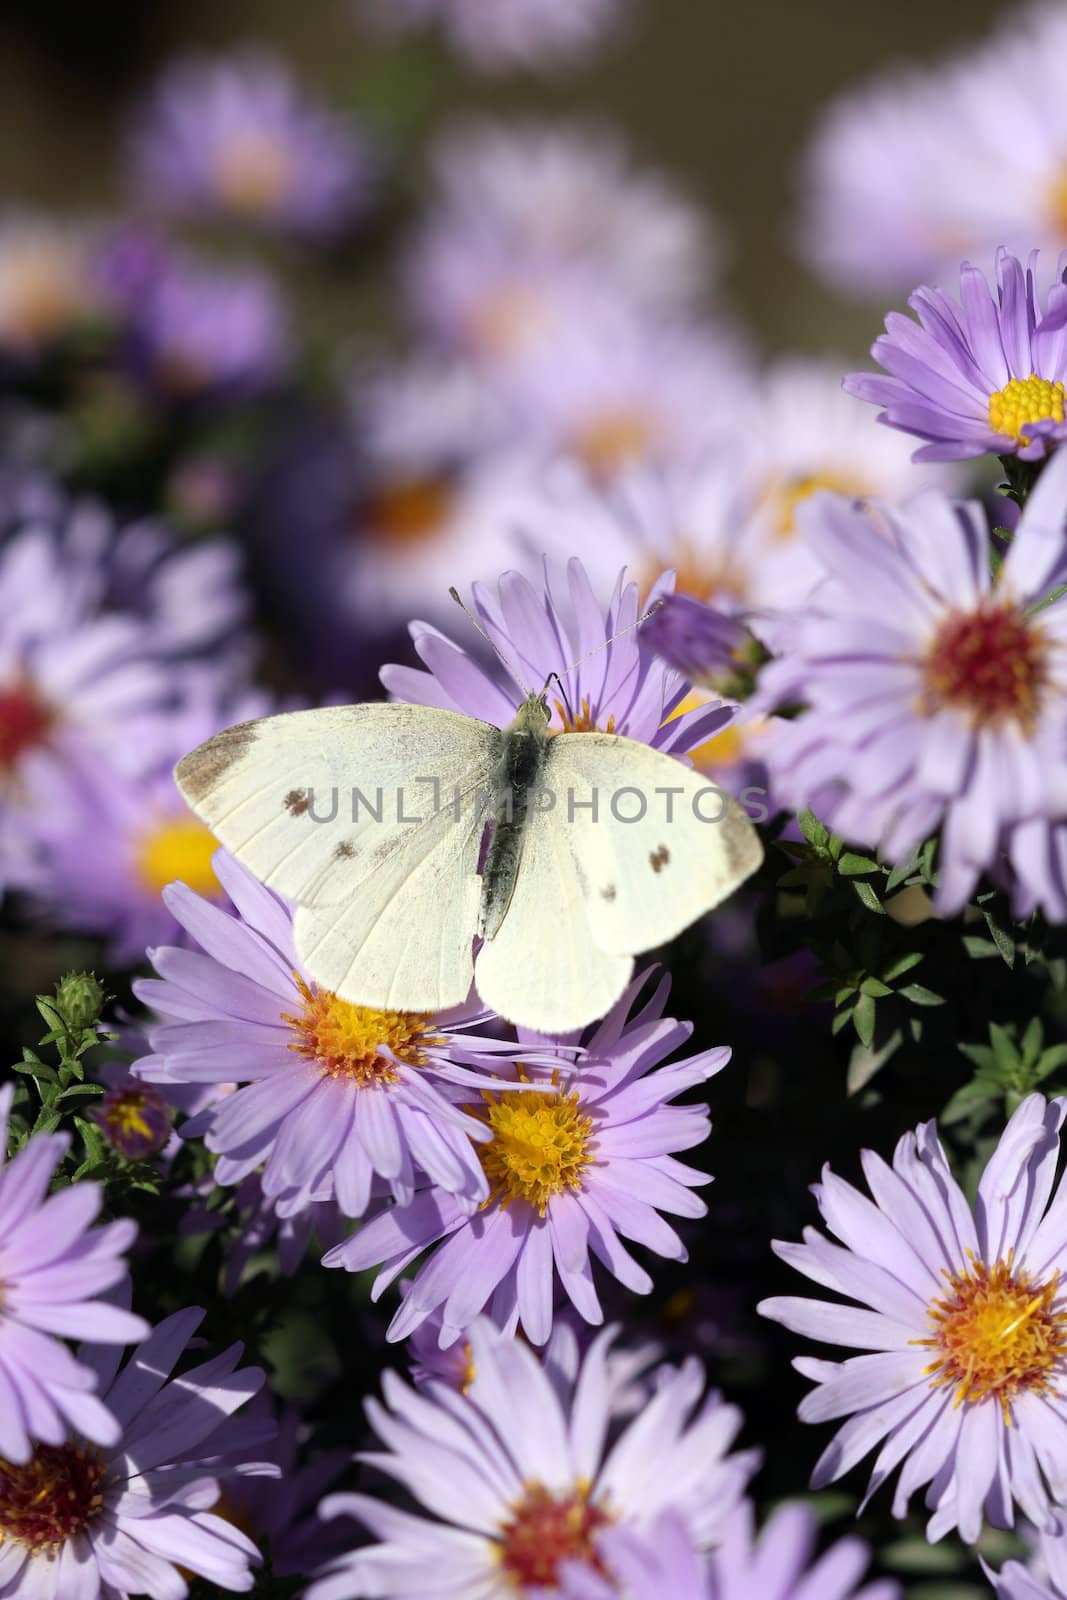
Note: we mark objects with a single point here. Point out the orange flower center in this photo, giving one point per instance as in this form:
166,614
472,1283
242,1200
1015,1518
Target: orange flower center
347,1041
992,663
545,1530
408,510
52,1498
996,1333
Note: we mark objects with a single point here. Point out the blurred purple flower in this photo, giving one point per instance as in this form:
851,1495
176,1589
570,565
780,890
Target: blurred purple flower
204,331
235,138
53,1267
82,1524
514,1478
666,1562
984,374
509,33
144,836
908,173
526,217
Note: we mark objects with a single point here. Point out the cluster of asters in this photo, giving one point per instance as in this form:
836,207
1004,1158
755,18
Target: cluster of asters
496,1182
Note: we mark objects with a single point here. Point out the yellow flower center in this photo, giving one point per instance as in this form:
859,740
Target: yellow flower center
50,1499
253,175
178,848
408,510
136,1120
704,574
996,1333
544,1530
724,749
347,1041
43,290
539,1148
790,493
582,720
613,440
1024,400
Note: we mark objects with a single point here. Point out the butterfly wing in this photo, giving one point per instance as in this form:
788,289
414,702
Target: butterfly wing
593,890
387,888
542,969
663,846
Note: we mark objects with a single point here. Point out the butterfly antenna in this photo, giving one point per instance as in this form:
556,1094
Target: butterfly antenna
501,657
629,628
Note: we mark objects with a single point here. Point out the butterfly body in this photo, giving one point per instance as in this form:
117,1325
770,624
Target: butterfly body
522,763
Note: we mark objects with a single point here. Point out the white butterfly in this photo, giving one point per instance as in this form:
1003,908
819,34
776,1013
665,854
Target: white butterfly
372,819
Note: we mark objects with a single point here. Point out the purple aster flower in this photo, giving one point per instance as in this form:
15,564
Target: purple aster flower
985,373
259,1228
622,689
78,1523
75,685
523,214
572,1168
53,1267
72,553
207,331
134,1118
932,689
967,1317
633,392
1044,1577
627,1369
776,1566
909,172
432,493
282,1509
144,835
342,1102
512,1481
51,286
234,137
509,33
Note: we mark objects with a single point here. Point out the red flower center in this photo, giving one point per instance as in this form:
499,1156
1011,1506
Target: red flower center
25,721
52,1497
992,662
544,1530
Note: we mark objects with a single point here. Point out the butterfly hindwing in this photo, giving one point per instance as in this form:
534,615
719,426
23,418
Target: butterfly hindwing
662,847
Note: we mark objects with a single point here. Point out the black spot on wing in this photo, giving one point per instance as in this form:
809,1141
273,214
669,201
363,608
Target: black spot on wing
608,892
344,851
206,766
659,858
296,802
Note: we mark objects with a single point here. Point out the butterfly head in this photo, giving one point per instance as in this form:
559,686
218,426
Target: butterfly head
534,715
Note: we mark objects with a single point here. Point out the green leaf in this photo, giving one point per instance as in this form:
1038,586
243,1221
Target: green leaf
813,830
863,1018
974,1096
867,896
897,968
851,865
919,995
875,988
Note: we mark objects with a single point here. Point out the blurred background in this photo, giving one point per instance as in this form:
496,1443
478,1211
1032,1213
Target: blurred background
722,96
